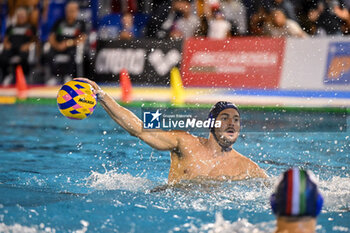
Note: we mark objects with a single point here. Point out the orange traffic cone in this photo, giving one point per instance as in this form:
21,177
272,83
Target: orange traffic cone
125,84
21,84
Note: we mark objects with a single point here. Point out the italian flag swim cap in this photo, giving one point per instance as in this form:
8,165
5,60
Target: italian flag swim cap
296,195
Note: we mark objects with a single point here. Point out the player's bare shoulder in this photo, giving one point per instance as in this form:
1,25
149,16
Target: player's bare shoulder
238,155
255,170
244,160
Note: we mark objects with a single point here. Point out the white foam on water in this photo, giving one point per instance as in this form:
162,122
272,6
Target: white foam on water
220,225
250,196
18,228
240,195
341,229
336,194
85,227
112,180
212,196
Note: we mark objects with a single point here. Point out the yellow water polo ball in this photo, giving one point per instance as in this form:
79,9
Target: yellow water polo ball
76,100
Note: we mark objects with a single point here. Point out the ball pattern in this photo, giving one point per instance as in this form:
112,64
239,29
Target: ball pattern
76,100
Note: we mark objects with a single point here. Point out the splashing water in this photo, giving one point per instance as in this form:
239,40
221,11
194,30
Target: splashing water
213,195
336,193
112,180
18,228
221,225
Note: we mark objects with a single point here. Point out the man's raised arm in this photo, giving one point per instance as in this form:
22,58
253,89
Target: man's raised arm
158,139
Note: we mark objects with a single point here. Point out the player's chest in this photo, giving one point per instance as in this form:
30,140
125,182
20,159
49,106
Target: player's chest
205,164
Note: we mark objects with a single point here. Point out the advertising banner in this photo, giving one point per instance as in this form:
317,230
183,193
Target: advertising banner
317,64
147,61
338,64
238,63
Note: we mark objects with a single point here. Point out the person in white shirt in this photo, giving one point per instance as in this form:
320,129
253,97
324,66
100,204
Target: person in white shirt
219,27
278,25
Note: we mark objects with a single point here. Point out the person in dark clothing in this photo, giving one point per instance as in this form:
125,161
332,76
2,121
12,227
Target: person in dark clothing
159,16
65,36
333,16
287,6
175,21
17,41
326,16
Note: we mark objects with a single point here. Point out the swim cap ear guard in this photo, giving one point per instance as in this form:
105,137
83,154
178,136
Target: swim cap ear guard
296,195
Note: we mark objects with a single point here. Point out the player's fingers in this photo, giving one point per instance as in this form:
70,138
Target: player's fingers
96,88
92,83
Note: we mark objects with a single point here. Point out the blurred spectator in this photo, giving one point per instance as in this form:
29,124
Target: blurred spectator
257,21
261,17
296,202
124,6
128,29
278,25
176,21
66,35
202,29
328,16
125,26
302,12
155,28
235,12
17,42
346,25
286,6
185,22
35,8
218,26
55,11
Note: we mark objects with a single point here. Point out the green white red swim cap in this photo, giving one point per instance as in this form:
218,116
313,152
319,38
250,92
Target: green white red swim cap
296,195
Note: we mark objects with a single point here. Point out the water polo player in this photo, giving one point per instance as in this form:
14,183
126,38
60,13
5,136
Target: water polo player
192,157
296,202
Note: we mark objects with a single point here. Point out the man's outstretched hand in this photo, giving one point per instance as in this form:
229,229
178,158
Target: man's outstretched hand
96,88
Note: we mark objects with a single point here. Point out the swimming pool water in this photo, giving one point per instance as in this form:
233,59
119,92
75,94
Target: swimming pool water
61,175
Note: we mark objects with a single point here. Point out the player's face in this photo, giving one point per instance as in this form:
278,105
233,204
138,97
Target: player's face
22,16
72,10
228,133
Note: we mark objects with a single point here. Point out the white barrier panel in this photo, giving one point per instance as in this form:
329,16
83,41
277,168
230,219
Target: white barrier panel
316,64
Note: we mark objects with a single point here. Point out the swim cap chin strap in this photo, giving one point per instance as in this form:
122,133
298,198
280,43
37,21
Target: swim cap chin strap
213,114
